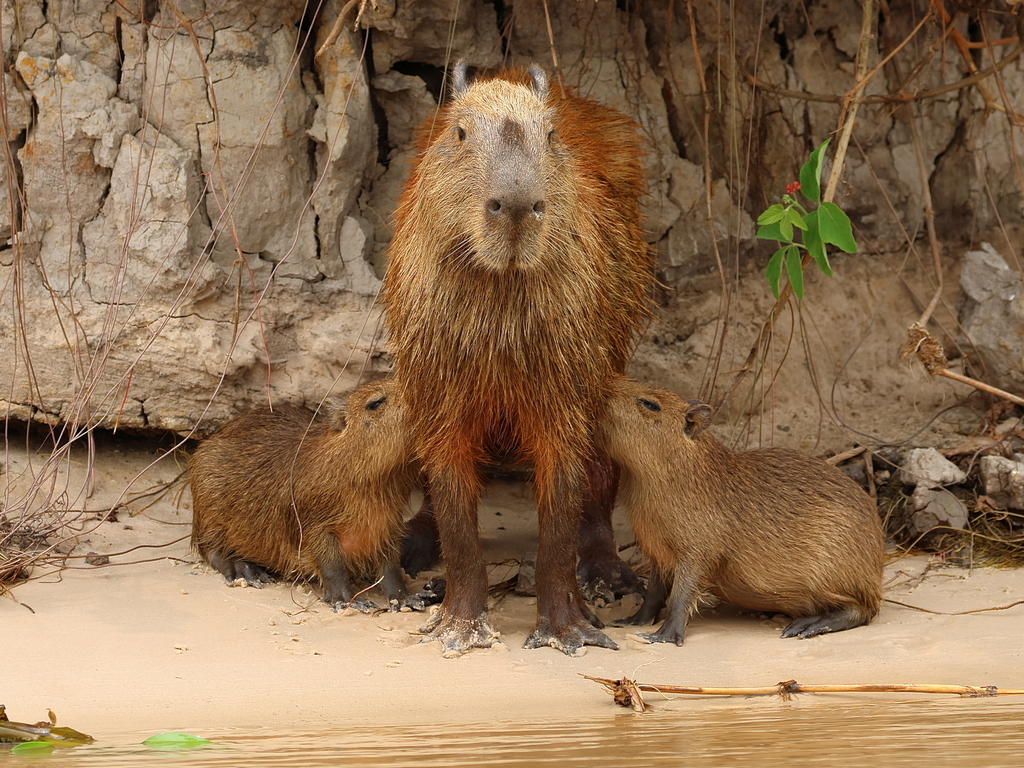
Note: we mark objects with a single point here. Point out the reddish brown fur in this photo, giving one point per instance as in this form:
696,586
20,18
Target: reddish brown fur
505,331
769,529
283,489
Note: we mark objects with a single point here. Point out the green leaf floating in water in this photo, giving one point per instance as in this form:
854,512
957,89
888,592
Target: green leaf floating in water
172,740
32,748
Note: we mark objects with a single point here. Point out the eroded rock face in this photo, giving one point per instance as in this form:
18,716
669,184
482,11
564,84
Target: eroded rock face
196,208
992,317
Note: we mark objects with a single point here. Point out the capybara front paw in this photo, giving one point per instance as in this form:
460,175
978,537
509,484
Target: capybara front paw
606,578
250,573
810,626
361,604
569,639
457,635
662,636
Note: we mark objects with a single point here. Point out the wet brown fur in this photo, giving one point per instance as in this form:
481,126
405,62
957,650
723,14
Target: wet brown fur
505,334
769,529
287,491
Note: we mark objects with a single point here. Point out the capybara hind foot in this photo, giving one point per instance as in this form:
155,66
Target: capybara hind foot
415,602
458,635
811,626
234,568
568,639
431,594
672,630
606,578
361,604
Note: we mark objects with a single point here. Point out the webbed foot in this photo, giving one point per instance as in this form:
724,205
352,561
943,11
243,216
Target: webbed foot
361,604
568,639
820,624
415,602
234,569
605,578
658,637
459,635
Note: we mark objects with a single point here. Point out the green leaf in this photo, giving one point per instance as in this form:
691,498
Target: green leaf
786,226
774,213
172,740
793,217
795,271
835,227
769,232
814,245
810,174
32,748
774,270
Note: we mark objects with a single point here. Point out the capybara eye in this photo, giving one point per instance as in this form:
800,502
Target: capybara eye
460,132
373,405
551,136
650,405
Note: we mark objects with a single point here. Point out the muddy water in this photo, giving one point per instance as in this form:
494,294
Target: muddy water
933,733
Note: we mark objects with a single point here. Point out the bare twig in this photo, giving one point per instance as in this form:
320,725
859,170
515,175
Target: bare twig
954,613
627,693
336,29
894,98
929,352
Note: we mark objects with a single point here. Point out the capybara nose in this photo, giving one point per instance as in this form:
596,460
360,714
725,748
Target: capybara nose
516,206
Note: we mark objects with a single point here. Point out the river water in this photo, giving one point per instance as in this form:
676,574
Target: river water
918,731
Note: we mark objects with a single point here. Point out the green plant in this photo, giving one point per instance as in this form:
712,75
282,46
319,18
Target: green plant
825,224
173,741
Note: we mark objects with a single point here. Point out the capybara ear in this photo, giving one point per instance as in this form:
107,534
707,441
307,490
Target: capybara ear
698,417
540,81
459,84
337,412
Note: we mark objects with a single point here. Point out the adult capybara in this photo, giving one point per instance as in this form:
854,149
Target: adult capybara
517,277
768,529
290,493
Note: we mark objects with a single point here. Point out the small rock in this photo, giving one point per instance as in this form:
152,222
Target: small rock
94,558
928,467
1004,480
526,584
992,314
935,507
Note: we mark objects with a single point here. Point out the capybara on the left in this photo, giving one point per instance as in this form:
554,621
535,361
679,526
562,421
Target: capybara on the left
284,492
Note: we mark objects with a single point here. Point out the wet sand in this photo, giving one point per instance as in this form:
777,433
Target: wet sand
167,645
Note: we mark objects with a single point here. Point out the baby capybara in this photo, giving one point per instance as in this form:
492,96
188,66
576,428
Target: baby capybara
767,530
285,492
517,278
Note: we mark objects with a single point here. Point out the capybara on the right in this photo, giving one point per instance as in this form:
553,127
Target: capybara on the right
767,530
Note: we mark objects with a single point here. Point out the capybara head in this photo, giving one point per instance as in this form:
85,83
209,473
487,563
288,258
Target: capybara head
373,421
642,424
497,161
